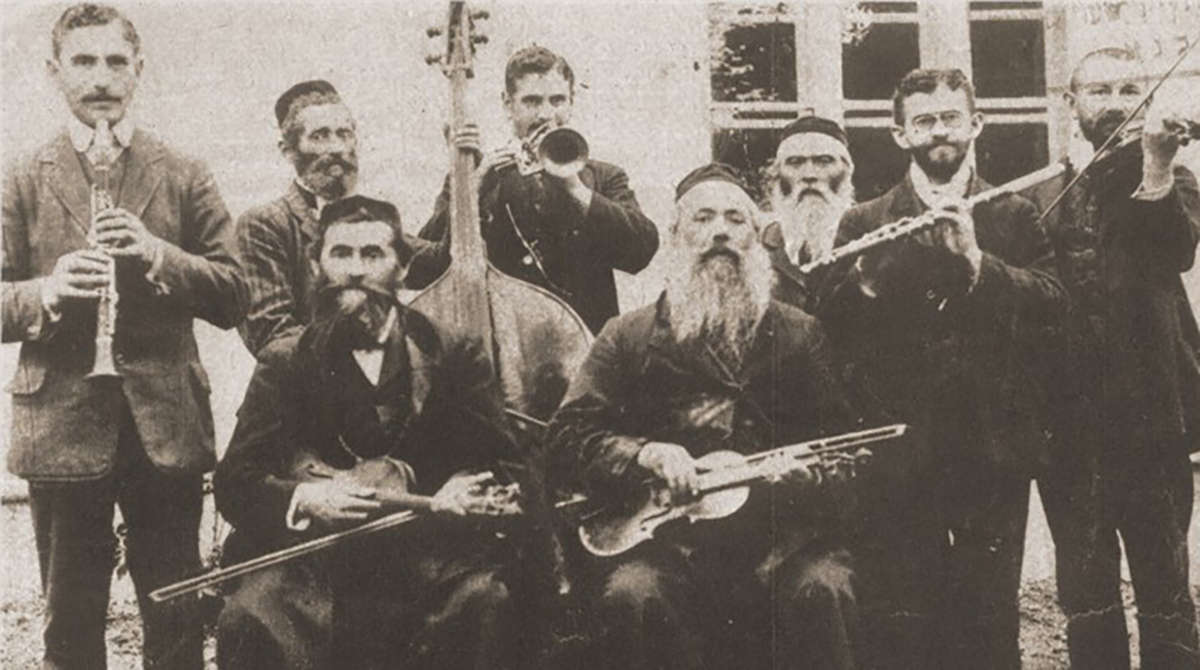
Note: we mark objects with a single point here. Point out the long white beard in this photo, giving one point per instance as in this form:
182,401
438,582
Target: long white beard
810,223
720,299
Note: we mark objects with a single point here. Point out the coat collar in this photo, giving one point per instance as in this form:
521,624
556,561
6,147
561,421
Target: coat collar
906,202
413,338
69,183
776,247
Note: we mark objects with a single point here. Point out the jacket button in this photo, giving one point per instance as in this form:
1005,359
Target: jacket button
120,359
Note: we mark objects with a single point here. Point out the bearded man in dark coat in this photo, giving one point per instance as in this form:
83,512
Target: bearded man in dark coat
714,365
369,381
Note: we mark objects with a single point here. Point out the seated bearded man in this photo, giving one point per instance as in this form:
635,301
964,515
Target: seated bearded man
714,365
369,381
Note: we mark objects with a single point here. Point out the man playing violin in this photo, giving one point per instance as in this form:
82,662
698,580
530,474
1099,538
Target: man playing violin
714,365
565,228
1127,390
368,381
945,329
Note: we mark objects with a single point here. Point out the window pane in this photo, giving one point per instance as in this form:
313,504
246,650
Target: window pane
1007,151
878,163
747,149
756,62
872,68
1009,58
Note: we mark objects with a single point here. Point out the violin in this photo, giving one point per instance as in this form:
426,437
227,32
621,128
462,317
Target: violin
391,479
725,479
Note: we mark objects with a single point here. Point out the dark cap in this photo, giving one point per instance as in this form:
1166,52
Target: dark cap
815,124
360,208
711,172
283,106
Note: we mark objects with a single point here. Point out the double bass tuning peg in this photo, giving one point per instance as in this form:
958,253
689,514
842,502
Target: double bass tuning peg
480,15
479,39
434,59
433,32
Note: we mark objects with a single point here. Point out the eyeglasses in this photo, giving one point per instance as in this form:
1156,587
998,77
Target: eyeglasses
952,120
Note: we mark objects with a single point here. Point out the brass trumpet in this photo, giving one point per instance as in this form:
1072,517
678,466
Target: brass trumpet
558,145
106,307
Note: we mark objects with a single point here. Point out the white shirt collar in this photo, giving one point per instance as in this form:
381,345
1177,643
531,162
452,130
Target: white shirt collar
83,135
370,361
321,202
931,193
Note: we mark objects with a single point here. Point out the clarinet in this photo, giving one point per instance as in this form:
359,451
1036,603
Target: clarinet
106,307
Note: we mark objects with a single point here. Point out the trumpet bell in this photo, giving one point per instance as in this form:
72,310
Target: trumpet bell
561,146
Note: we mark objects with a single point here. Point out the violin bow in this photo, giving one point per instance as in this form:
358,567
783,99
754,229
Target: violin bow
1114,135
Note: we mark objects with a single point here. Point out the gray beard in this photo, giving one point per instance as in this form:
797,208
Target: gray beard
810,223
720,301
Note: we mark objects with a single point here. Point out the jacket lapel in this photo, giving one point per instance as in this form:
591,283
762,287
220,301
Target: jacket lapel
777,249
904,200
67,180
303,210
141,178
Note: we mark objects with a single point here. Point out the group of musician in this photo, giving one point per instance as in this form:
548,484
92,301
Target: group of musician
1039,335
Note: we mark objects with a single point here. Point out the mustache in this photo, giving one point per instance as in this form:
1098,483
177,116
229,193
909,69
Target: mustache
719,252
100,97
323,163
331,290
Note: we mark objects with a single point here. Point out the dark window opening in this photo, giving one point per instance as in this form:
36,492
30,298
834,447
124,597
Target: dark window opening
878,163
756,62
1009,58
872,68
1007,151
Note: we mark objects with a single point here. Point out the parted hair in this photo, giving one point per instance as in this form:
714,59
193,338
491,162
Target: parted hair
360,209
536,60
927,81
90,14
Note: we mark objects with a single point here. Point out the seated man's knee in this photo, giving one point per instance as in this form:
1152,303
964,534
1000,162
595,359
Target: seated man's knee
633,588
825,583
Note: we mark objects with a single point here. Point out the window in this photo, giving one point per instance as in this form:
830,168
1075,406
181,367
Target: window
760,82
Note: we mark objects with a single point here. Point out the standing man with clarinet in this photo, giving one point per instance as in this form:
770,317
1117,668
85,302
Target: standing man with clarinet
136,430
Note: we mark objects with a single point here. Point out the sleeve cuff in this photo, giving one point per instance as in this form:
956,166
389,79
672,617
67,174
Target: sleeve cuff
152,274
1155,193
296,522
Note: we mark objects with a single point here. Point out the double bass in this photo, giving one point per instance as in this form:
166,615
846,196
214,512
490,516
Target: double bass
537,341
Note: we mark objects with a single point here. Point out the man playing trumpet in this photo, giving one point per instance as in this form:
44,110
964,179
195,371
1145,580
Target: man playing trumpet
141,438
565,227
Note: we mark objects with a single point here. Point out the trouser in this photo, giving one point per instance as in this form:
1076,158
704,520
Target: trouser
940,567
671,607
73,528
385,609
1144,493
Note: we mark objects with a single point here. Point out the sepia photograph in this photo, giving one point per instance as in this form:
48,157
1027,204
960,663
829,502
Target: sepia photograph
600,334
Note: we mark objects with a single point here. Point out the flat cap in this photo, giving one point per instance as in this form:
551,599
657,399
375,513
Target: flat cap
711,172
283,106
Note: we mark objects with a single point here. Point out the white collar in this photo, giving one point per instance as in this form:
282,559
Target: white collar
931,193
83,135
321,202
370,361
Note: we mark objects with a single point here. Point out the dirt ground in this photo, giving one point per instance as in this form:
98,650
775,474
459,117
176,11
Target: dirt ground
1043,637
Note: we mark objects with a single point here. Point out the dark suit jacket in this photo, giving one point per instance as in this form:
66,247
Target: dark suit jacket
638,385
1133,347
579,249
64,426
438,406
791,286
959,367
274,241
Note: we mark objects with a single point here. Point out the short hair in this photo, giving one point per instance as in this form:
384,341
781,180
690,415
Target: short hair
360,209
927,81
89,14
536,60
1114,53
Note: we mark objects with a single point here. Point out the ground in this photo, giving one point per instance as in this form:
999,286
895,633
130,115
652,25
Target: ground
1043,626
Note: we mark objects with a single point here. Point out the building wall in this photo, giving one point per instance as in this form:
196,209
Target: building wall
214,70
